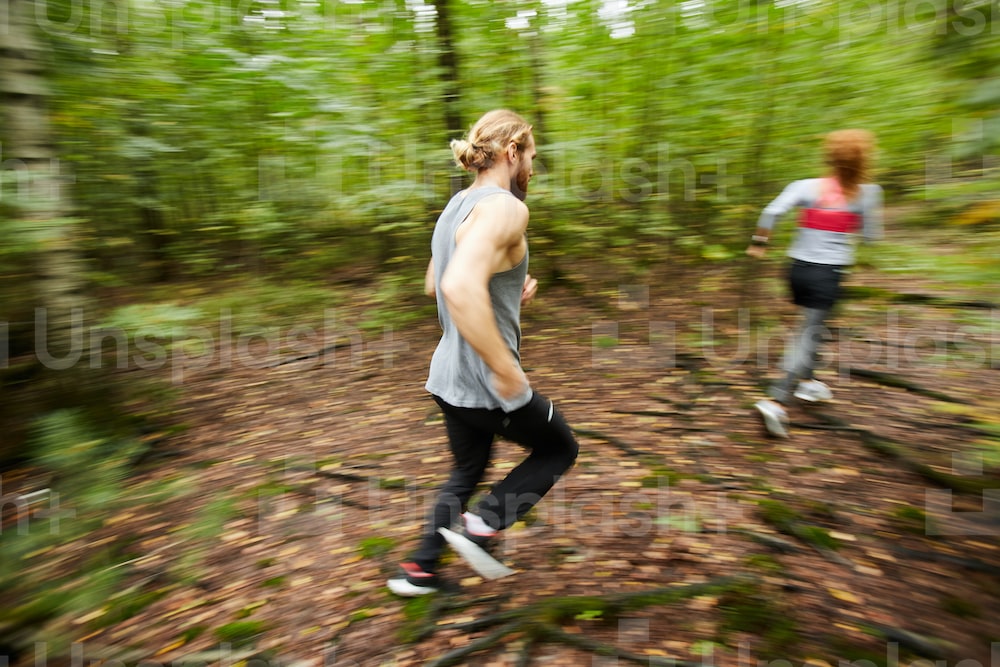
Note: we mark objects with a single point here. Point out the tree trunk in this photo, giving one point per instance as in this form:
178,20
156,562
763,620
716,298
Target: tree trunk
35,197
448,62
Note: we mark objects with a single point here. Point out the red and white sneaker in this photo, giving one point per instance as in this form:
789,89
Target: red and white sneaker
412,581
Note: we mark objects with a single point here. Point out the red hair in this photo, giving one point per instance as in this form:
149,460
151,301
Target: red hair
848,155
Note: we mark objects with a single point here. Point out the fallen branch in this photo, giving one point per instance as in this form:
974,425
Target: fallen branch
587,644
925,647
968,563
788,521
889,380
858,292
813,426
772,541
322,352
617,442
645,413
542,621
457,656
894,450
428,625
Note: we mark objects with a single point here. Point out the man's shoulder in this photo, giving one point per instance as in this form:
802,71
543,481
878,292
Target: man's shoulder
504,204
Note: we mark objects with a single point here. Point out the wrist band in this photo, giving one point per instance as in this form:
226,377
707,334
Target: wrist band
756,239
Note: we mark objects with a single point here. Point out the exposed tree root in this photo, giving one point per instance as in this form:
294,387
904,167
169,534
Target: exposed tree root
925,647
857,292
972,564
428,625
771,541
489,641
784,519
894,450
583,642
542,621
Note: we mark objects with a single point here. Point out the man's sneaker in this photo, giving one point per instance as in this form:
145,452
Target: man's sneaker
775,417
475,555
413,581
477,532
813,391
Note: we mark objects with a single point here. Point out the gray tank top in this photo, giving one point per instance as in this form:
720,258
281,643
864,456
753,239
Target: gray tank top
458,375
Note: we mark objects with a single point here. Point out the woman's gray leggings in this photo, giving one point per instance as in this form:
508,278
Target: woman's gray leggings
800,357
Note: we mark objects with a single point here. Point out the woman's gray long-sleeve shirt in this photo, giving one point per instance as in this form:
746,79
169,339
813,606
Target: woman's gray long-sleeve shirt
826,246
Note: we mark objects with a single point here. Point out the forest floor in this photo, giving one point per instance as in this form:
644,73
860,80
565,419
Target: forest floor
684,532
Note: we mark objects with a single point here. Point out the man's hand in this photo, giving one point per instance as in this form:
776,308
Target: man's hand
511,383
529,289
757,251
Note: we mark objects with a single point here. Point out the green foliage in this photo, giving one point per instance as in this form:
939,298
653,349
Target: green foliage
88,466
764,562
560,610
789,521
818,536
419,614
240,633
415,609
129,603
747,608
375,547
208,144
960,607
911,519
662,476
777,513
393,306
197,534
164,321
683,521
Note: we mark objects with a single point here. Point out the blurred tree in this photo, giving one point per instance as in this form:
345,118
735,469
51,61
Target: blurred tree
47,312
267,136
967,42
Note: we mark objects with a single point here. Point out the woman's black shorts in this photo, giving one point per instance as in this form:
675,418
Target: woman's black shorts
815,285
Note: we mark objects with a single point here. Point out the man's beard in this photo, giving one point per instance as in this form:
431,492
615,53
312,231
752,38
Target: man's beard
519,184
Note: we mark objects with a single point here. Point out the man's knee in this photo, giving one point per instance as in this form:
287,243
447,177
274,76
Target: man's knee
571,451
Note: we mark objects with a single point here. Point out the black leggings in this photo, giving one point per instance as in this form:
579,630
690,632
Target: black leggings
537,426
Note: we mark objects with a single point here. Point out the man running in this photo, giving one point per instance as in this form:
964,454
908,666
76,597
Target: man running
479,275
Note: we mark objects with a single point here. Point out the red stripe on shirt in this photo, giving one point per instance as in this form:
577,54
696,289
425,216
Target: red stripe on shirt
830,221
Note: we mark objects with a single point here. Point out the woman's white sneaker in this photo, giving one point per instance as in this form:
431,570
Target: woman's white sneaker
775,417
813,391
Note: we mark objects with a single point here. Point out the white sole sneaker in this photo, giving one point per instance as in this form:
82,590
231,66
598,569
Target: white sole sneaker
477,558
775,419
813,391
405,589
